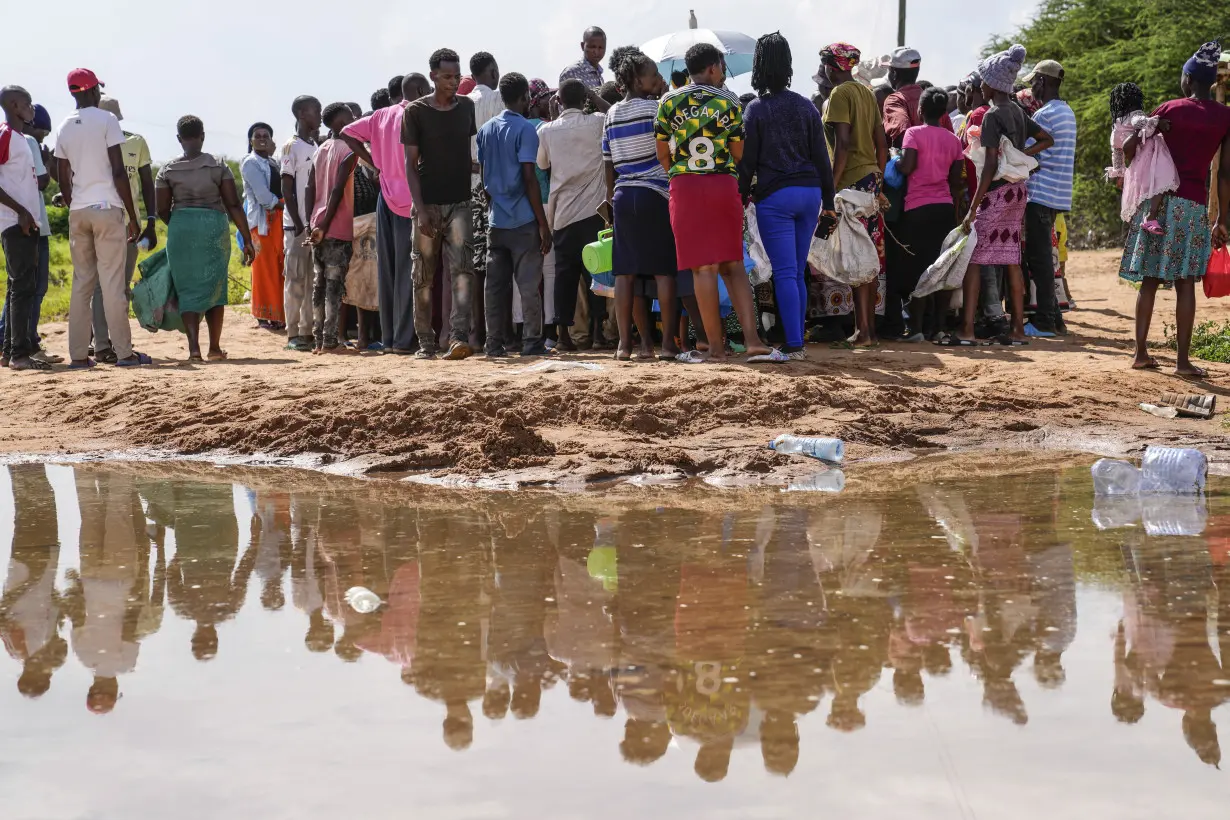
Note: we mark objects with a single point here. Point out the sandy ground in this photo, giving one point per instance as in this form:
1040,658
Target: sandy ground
384,414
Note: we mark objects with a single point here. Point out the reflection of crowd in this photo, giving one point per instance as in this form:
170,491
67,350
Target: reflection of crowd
710,631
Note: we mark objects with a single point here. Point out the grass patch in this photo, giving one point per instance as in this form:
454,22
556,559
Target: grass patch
1210,340
55,305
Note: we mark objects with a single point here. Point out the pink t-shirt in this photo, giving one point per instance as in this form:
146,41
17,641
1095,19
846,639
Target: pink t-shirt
328,159
382,131
938,148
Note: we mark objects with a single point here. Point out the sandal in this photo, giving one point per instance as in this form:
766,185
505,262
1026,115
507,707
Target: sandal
106,356
28,363
1150,364
1197,374
84,364
774,356
952,340
1008,341
691,357
135,360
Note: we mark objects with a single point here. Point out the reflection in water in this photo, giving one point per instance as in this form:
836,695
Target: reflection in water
707,630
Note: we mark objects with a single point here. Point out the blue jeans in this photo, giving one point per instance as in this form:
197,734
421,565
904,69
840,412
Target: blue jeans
787,219
41,284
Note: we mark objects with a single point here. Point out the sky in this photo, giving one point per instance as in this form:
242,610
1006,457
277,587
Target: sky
235,62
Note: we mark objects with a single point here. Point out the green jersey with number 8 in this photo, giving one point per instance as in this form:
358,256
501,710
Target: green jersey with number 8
699,123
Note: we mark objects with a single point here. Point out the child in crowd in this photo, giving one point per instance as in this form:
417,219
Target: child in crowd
332,225
1140,159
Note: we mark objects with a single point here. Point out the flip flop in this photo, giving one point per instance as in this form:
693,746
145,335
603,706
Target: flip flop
954,341
1150,364
668,357
691,357
1008,341
621,357
774,356
137,360
844,344
1200,375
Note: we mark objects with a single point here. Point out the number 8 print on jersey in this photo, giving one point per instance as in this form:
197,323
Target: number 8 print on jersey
699,123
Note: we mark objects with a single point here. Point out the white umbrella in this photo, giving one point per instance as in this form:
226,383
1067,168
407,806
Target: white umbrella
668,51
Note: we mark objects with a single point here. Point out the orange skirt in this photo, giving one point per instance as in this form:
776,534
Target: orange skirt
267,281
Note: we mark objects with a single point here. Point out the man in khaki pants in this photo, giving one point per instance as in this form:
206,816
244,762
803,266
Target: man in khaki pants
94,184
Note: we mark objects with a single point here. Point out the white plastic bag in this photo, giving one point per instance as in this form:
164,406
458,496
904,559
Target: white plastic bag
763,270
1014,165
848,255
948,271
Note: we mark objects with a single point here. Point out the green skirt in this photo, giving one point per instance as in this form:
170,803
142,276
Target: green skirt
199,253
1181,252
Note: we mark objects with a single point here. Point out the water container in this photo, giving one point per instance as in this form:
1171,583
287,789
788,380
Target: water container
826,481
1114,477
597,255
1164,515
825,449
362,600
1177,470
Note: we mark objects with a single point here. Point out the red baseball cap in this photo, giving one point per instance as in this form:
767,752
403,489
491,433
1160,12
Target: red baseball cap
82,79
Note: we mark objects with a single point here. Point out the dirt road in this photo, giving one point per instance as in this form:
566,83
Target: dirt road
393,414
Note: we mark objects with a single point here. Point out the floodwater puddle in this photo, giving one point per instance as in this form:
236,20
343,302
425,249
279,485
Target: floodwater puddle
180,643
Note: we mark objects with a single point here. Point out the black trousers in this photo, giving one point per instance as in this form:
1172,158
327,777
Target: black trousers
1039,264
897,288
21,259
569,241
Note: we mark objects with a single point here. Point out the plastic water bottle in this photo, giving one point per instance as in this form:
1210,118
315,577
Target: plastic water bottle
362,600
825,449
1174,516
1114,477
826,481
1178,470
143,245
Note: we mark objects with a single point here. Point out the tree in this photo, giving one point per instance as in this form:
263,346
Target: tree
1102,43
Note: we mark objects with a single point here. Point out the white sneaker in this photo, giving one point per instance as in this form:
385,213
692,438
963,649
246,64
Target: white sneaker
798,355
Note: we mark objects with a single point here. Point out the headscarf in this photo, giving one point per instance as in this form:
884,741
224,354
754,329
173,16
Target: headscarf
1202,67
539,92
843,55
999,70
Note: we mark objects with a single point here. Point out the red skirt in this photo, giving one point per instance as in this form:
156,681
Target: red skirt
707,219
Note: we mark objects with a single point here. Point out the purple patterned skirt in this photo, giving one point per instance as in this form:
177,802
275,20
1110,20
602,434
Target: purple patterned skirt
999,223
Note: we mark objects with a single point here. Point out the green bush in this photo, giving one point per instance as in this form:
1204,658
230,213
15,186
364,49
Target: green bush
58,219
1210,341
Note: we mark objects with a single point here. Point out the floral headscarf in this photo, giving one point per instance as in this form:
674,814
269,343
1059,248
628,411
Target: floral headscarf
843,55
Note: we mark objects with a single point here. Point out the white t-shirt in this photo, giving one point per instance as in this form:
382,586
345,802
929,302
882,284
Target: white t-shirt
18,177
296,161
84,139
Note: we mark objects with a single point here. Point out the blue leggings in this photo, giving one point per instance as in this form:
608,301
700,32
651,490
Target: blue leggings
787,219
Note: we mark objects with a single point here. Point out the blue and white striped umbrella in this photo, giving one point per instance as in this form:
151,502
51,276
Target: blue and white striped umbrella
668,51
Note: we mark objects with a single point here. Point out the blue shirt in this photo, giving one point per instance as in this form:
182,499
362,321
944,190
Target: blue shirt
1052,184
506,142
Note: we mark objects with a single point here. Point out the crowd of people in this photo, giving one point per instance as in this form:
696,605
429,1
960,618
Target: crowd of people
452,218
714,631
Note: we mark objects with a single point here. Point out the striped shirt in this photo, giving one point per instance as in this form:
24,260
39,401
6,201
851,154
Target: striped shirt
628,143
1052,184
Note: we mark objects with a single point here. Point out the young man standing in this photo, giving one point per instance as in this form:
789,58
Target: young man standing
382,130
141,181
1050,194
485,74
571,148
519,236
589,68
95,188
332,226
700,142
296,166
436,133
19,228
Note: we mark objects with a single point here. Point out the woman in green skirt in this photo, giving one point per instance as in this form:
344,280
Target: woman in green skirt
195,194
1197,128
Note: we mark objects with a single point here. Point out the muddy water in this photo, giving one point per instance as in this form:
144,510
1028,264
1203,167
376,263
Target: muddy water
179,645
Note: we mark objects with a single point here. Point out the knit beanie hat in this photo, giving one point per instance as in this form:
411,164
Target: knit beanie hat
999,70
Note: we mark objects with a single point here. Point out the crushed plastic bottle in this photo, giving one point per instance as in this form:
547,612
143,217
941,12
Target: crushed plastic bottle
826,481
1114,477
362,600
1176,470
825,449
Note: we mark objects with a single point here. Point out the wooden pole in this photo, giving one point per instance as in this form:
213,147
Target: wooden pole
900,22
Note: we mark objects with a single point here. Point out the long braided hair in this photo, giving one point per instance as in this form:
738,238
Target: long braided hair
772,68
1124,99
616,61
